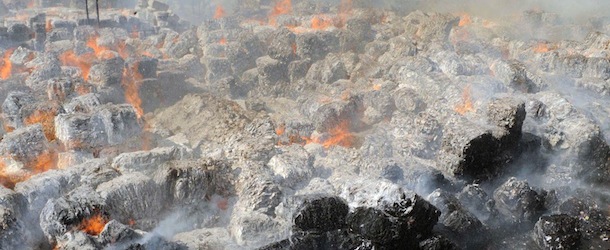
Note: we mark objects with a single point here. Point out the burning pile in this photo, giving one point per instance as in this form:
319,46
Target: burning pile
297,125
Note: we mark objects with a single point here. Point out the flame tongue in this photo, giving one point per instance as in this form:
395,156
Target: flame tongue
219,13
282,7
7,66
466,105
93,225
132,80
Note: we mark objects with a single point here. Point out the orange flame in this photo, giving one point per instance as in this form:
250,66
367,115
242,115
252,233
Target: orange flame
42,163
7,66
84,63
339,136
219,13
543,47
48,26
280,130
465,20
282,7
46,118
466,105
320,23
132,80
223,41
93,225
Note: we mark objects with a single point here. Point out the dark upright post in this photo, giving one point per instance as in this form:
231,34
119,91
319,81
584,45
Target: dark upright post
87,10
97,9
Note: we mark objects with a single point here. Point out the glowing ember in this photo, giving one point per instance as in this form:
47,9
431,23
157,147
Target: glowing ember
542,47
223,41
48,26
320,23
46,118
282,7
132,80
7,67
280,130
466,105
377,87
31,4
219,13
93,225
465,20
294,48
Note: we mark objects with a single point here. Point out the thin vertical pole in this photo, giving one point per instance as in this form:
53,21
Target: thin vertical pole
97,9
87,10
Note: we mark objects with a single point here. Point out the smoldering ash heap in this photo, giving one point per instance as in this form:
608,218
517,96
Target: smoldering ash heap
284,124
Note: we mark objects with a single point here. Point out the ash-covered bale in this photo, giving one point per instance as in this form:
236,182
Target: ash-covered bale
557,232
408,101
147,161
508,113
298,69
331,115
25,145
78,240
107,125
13,201
116,233
327,71
316,45
457,218
12,108
12,233
60,89
260,194
283,45
108,72
293,166
395,217
214,238
438,242
42,187
21,55
189,182
183,45
254,229
271,72
321,214
571,65
430,27
244,52
19,32
585,152
132,197
147,67
59,34
46,66
514,74
217,68
597,68
82,104
481,151
518,201
478,201
62,215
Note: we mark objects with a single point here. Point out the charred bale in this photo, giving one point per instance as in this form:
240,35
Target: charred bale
321,214
557,232
518,201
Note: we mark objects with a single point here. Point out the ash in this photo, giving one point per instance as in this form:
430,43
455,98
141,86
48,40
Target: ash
252,124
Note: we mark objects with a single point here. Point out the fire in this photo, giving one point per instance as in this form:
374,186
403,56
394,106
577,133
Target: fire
280,130
320,23
93,225
7,66
294,48
542,47
466,105
377,87
282,7
339,136
132,80
219,13
69,58
465,20
48,26
42,163
223,41
46,118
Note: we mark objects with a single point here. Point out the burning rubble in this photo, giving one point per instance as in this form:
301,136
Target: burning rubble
291,124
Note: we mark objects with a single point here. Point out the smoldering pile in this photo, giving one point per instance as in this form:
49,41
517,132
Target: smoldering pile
300,125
